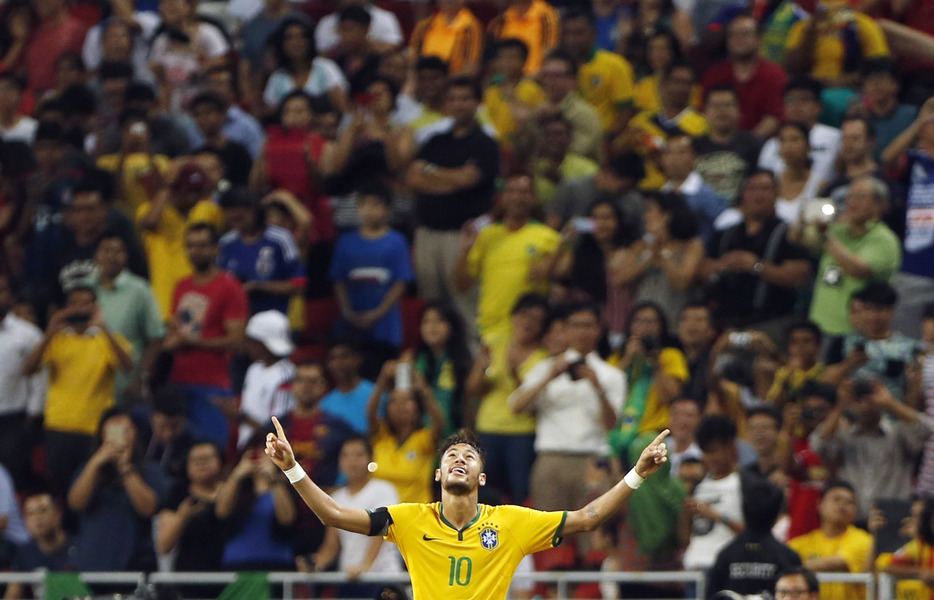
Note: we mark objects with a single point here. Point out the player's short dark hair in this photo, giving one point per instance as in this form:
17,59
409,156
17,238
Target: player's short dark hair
513,44
359,437
462,436
834,484
877,293
762,501
355,14
204,226
713,429
809,577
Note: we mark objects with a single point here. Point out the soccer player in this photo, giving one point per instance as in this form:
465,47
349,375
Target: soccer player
458,548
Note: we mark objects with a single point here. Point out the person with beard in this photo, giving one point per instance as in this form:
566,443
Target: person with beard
458,545
758,82
209,312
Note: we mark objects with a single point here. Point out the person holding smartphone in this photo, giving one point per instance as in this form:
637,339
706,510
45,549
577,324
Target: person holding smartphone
82,356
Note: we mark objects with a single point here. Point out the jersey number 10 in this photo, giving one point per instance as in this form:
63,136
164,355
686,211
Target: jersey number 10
461,569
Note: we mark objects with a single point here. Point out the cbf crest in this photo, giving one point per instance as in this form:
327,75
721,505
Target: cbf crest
489,538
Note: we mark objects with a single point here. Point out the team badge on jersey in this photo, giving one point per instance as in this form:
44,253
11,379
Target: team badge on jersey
489,538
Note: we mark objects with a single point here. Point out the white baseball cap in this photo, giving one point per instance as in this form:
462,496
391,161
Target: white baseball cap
271,329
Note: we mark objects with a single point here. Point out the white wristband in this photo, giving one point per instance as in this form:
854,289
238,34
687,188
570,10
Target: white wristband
633,479
296,473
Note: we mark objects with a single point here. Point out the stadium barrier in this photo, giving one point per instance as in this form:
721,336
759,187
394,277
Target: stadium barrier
562,580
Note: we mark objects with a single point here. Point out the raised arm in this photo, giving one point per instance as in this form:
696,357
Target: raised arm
331,513
602,508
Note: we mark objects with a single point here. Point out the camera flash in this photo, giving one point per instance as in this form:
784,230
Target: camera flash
371,467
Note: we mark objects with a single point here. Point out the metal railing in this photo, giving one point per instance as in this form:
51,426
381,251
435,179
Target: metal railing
561,579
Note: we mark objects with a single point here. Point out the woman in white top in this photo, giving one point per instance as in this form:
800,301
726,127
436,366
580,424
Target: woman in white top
299,67
798,183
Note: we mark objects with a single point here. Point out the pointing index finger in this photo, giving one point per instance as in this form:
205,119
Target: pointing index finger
659,439
281,434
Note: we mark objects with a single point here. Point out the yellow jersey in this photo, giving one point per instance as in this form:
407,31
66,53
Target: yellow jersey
458,43
134,167
81,379
854,547
165,247
688,121
830,48
494,415
501,261
498,110
539,27
606,83
409,466
475,562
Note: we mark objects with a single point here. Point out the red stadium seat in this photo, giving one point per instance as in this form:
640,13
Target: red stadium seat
412,308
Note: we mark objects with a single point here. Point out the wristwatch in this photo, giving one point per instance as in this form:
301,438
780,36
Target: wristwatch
758,268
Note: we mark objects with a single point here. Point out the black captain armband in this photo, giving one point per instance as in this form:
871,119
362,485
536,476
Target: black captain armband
380,520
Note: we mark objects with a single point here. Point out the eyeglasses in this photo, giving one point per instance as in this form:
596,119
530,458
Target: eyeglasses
791,593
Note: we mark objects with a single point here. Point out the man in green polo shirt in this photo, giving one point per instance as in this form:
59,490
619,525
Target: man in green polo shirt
129,308
858,249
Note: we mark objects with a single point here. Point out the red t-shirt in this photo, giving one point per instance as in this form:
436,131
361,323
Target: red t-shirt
287,152
46,45
204,310
759,97
808,478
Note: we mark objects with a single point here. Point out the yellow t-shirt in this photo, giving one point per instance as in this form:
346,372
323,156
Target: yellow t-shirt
134,194
646,97
81,379
853,547
497,108
830,49
501,260
457,43
793,380
606,83
494,415
915,553
539,28
409,466
671,362
475,562
165,247
688,121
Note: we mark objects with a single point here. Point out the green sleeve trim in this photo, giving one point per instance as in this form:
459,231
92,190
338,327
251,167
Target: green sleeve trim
557,539
627,103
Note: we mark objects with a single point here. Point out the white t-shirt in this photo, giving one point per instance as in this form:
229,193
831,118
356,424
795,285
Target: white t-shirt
266,394
24,131
324,76
92,53
384,27
708,537
374,494
181,61
789,210
825,142
567,413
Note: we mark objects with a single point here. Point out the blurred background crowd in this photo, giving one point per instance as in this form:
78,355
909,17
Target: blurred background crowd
565,225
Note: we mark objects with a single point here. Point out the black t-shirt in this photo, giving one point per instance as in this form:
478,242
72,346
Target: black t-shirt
750,564
725,166
734,293
236,160
201,544
449,212
29,557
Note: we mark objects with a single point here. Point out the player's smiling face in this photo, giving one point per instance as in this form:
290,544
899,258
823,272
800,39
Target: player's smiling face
461,470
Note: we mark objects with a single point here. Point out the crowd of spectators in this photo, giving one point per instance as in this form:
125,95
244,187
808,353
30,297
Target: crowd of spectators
565,225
